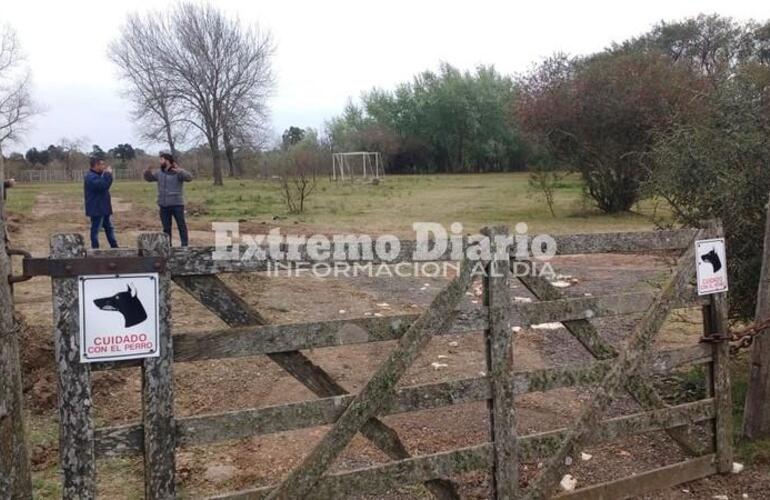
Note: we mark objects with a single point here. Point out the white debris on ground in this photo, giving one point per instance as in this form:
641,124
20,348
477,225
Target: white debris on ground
438,366
383,305
220,473
563,281
454,343
342,311
567,460
516,329
568,483
588,294
721,497
547,326
525,300
378,315
585,457
442,356
737,468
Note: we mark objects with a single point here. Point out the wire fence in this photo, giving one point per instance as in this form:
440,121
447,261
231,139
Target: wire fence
45,176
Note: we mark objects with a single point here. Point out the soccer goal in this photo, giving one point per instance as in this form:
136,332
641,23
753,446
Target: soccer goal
361,164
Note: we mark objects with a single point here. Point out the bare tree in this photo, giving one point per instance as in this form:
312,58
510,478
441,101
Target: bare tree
72,152
159,117
16,105
299,180
245,127
219,71
300,166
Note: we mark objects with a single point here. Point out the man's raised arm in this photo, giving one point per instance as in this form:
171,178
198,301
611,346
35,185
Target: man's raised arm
150,175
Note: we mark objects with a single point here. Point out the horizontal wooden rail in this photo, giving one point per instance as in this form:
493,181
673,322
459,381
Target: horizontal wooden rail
380,478
127,439
254,340
623,242
647,482
199,260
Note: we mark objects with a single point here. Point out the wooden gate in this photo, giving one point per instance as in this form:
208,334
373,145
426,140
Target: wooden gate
159,433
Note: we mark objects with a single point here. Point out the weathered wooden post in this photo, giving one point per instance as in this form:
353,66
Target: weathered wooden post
15,481
720,380
76,428
715,327
499,353
158,388
756,416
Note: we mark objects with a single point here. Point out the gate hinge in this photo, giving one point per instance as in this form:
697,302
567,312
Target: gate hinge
15,251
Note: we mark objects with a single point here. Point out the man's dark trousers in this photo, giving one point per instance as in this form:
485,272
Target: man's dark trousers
177,212
96,224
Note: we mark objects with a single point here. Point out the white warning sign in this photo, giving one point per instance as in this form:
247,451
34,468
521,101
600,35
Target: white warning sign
711,266
118,317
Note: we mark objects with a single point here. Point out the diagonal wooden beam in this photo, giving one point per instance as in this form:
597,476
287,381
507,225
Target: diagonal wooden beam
220,299
627,363
640,389
379,392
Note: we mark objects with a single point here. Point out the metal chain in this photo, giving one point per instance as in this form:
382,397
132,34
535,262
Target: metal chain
744,337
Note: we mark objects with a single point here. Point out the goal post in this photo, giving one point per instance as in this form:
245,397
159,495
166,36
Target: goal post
357,164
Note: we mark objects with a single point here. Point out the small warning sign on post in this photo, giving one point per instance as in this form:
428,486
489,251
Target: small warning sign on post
118,317
711,266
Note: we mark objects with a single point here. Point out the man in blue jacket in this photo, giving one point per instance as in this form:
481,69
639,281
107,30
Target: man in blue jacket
96,186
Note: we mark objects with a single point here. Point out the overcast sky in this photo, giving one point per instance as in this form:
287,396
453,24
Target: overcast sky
327,51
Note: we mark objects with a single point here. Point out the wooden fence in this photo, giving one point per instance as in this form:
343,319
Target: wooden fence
159,433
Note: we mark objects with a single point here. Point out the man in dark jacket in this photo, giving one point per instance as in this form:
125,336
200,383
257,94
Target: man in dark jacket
96,186
170,178
8,184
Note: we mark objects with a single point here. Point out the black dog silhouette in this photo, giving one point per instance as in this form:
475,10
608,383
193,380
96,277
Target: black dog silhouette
126,303
713,259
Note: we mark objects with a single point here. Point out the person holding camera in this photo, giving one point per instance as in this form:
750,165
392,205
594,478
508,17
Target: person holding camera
170,178
96,187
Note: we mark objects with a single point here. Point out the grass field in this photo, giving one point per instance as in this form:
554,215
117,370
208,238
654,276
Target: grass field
392,206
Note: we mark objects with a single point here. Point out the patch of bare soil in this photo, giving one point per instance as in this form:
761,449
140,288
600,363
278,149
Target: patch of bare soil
217,386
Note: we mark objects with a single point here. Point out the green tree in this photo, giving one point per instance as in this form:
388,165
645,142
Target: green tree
97,151
710,44
291,136
36,157
123,152
445,121
599,114
718,166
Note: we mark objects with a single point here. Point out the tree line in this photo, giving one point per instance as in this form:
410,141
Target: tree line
69,153
446,121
